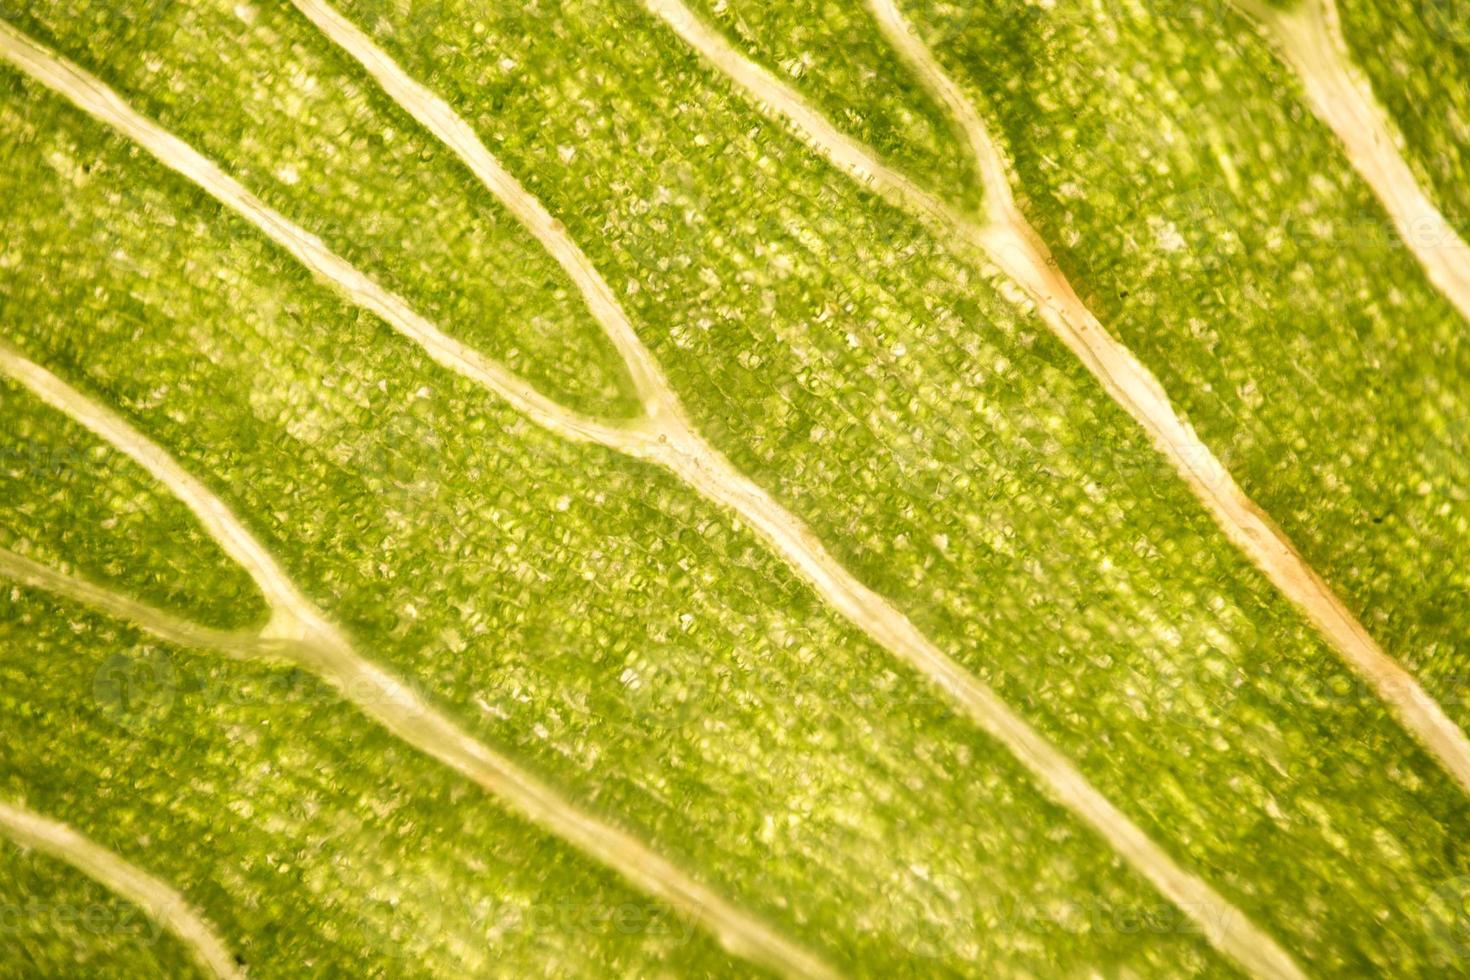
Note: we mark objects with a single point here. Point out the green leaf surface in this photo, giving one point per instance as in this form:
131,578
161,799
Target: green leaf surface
650,657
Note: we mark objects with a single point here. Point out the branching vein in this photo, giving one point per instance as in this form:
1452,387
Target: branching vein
303,634
299,632
437,117
232,643
681,449
98,100
667,440
1009,242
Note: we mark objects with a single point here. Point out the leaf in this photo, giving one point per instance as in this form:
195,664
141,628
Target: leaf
821,488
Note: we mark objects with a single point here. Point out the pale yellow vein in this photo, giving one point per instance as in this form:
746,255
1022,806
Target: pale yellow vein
680,448
1008,241
162,903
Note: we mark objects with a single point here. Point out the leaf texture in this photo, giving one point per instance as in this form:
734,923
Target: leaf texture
600,594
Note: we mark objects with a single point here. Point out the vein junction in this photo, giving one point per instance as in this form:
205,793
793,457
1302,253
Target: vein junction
681,449
664,436
299,633
1004,239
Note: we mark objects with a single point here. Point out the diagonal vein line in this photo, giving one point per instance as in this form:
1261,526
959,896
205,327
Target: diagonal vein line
162,903
218,521
1220,922
1024,256
681,449
994,180
437,117
98,100
309,639
403,713
1015,248
321,646
687,455
1308,39
849,155
161,624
